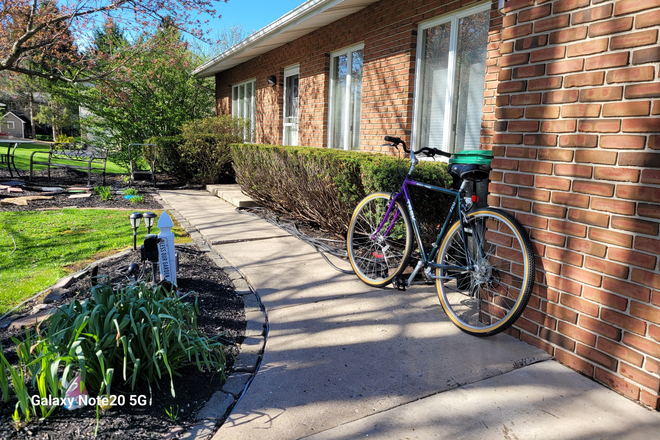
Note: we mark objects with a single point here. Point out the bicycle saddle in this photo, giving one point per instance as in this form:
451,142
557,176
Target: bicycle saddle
470,172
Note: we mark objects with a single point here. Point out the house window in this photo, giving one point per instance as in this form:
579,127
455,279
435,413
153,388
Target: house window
242,105
291,80
10,125
450,80
345,98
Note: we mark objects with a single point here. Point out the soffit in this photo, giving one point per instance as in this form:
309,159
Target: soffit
302,20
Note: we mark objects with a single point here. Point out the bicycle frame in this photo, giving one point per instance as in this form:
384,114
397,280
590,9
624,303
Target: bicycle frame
427,260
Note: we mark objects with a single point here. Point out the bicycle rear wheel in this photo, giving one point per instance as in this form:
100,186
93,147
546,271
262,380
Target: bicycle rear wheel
378,257
492,294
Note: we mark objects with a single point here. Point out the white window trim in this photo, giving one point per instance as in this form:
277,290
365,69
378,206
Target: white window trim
288,71
234,107
333,56
10,125
449,99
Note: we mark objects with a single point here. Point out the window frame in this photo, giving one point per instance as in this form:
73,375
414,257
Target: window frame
452,18
290,71
235,106
10,125
346,117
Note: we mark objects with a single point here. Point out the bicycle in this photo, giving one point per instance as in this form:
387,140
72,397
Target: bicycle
482,264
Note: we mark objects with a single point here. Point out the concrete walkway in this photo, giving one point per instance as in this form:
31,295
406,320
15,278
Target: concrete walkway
343,360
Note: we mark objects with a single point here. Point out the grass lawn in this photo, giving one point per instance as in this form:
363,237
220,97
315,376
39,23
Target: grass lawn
24,151
50,244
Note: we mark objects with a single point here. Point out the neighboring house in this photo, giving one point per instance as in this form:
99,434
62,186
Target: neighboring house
566,94
12,125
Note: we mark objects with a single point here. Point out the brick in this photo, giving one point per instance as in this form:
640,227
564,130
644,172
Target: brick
606,61
593,14
632,258
544,83
534,194
635,225
553,183
654,332
584,79
563,126
622,142
646,312
511,86
545,293
538,343
560,96
513,5
628,6
647,19
532,221
555,155
502,100
619,174
620,352
557,339
504,164
507,138
579,304
526,99
618,384
563,284
612,205
631,74
506,190
513,60
624,321
516,204
529,71
547,237
551,53
646,278
606,267
596,156
516,31
564,255
581,111
611,27
647,160
548,266
595,188
640,193
562,67
596,356
631,108
607,299
573,170
654,142
519,179
549,140
571,199
549,210
643,56
635,39
509,112
509,20
639,376
578,140
569,5
586,246
552,23
531,42
534,13
648,210
568,35
523,126
577,333
627,289
610,237
651,90
588,217
599,125
536,167
656,108
642,344
574,362
521,152
614,93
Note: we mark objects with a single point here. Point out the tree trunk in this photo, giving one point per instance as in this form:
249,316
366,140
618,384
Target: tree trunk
33,128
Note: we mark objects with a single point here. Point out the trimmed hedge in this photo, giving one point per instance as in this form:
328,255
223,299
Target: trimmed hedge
323,186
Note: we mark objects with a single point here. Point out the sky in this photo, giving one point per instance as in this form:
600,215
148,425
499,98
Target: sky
253,14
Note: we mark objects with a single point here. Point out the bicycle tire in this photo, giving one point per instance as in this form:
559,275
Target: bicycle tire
490,297
377,261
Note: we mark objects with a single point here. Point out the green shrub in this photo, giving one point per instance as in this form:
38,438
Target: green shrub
324,185
64,139
168,155
104,192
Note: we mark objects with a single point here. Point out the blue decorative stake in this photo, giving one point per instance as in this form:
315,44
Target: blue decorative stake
166,253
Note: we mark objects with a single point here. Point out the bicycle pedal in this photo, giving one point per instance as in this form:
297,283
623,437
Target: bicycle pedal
400,283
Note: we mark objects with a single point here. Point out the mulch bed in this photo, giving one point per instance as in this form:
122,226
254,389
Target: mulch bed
221,311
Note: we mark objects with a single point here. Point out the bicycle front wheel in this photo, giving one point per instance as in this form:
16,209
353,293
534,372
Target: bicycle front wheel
379,254
488,296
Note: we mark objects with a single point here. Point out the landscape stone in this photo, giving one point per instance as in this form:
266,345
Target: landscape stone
253,345
217,406
246,362
28,321
254,328
235,384
250,301
201,431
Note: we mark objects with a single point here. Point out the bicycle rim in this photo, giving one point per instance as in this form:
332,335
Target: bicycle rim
489,297
379,257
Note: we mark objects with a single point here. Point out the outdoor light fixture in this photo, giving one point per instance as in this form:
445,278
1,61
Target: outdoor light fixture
271,80
149,218
135,223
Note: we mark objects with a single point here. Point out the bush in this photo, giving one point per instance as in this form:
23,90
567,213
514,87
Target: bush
64,139
168,155
323,186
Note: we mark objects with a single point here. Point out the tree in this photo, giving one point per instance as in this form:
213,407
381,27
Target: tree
223,39
39,37
152,94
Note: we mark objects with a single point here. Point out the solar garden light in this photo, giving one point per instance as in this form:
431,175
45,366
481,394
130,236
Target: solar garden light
135,223
149,218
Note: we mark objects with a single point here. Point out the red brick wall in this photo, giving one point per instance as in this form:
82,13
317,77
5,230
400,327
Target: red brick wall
574,129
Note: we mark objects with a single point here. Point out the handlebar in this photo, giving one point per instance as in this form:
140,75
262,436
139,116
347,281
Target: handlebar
426,150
